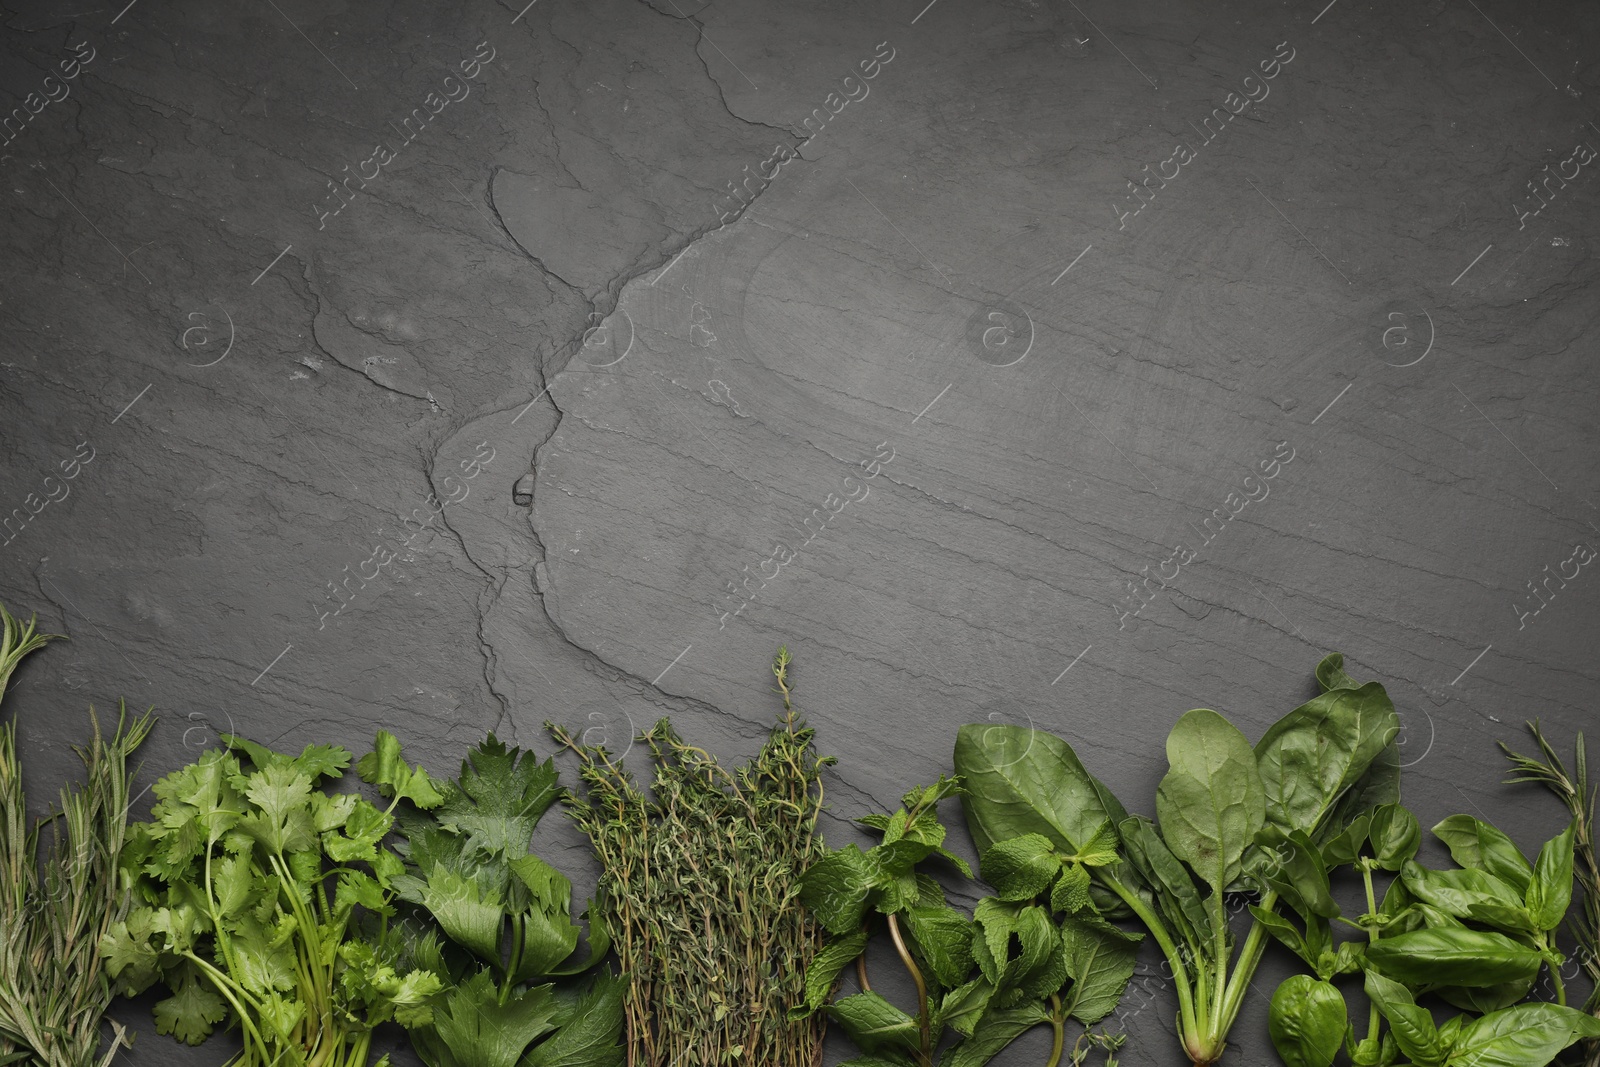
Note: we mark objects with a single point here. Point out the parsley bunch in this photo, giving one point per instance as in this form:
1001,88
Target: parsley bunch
495,921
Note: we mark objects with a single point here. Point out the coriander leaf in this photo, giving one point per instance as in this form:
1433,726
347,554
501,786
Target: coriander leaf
385,767
130,957
1210,803
364,827
283,820
191,1012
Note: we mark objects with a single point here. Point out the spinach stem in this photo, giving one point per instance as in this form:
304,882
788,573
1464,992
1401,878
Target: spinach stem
923,1023
1255,943
1158,930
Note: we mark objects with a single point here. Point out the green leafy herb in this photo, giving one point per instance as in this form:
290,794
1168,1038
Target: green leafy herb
252,878
1035,953
505,913
1231,817
1580,798
698,889
54,989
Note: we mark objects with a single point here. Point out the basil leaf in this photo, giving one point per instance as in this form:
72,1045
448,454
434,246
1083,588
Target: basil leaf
1346,845
1395,836
1453,956
1021,780
1528,1035
1210,804
1307,1021
1485,998
1550,891
1411,1025
1470,894
1480,846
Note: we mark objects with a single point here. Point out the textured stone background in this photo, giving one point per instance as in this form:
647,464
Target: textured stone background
667,379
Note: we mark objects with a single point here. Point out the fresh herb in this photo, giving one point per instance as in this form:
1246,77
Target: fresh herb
252,878
1224,811
699,886
1581,801
504,915
1011,967
53,989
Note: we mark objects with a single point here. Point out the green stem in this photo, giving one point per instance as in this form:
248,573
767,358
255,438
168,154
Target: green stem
1219,950
1255,943
1372,935
1158,930
223,985
1058,1023
923,1023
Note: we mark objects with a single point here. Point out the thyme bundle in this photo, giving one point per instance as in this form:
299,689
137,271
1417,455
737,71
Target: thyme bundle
700,888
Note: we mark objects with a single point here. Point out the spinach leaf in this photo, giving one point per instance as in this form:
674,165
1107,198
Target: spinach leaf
1211,803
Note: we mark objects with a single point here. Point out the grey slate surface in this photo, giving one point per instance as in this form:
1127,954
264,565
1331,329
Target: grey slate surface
592,269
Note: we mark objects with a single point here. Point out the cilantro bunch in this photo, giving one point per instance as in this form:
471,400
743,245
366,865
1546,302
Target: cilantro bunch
495,925
252,880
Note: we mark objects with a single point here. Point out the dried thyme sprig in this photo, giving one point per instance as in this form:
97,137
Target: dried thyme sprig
699,888
1582,802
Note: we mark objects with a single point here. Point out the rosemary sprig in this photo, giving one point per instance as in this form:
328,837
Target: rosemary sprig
53,986
1581,801
699,889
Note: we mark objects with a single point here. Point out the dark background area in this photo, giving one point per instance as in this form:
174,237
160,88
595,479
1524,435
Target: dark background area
579,298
